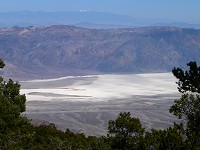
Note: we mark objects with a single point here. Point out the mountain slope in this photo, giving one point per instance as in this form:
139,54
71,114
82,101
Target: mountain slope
69,49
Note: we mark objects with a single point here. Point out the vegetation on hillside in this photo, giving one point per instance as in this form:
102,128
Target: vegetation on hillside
126,132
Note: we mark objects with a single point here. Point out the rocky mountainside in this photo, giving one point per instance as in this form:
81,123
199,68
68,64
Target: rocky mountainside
33,52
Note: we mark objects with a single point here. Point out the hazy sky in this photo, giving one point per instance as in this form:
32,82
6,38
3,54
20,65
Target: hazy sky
175,10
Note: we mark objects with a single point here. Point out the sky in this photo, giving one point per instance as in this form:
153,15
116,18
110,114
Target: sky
173,10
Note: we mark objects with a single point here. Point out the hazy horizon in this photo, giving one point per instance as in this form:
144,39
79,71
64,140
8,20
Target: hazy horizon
175,11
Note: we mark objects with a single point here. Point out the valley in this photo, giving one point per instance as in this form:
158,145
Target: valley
100,75
86,103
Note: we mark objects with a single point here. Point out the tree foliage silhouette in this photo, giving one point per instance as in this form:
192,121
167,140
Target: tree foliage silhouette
188,106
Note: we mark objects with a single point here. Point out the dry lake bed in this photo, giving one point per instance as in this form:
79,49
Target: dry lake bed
86,103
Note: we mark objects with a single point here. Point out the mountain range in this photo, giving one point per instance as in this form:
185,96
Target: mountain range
50,51
82,18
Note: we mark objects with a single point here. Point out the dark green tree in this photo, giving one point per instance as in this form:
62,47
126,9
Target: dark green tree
1,63
125,132
12,104
170,138
188,106
188,81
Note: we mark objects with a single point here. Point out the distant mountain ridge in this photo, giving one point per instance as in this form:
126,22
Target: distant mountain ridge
82,18
39,18
35,52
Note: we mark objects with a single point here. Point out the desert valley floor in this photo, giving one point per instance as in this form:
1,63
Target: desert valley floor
86,103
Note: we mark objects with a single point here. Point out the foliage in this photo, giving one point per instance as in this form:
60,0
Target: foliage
188,106
188,80
125,131
1,63
170,138
12,104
